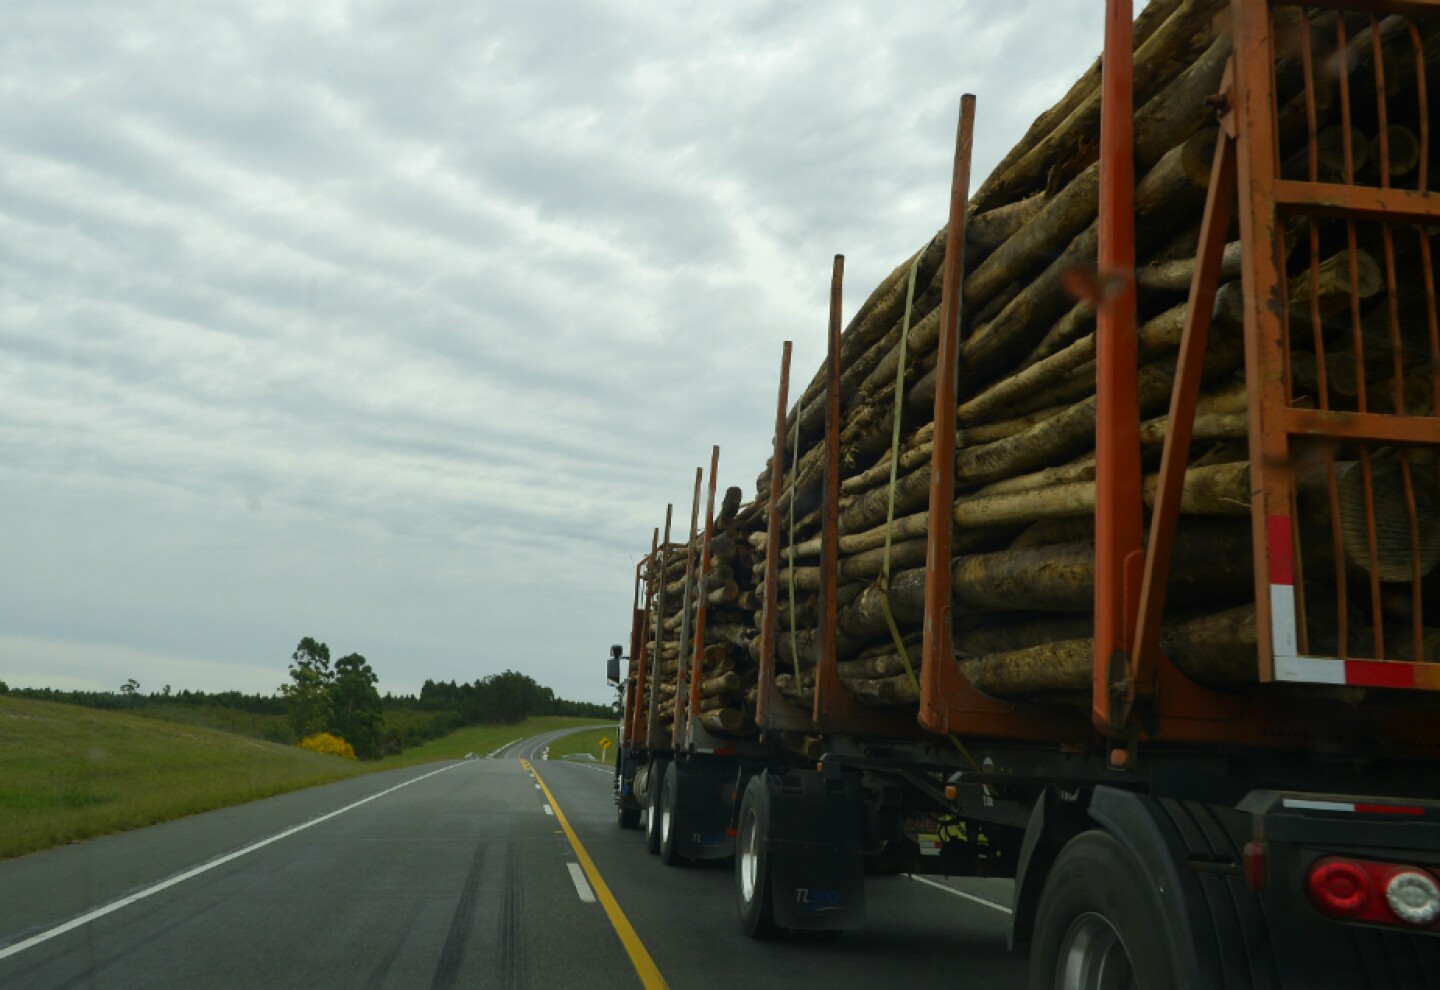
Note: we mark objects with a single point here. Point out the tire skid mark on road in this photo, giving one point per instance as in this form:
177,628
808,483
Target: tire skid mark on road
381,972
512,969
95,967
461,922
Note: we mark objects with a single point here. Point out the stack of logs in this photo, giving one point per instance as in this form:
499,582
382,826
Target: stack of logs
1024,529
727,670
1023,518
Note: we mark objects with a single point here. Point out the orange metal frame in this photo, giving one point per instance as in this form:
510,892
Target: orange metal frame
637,723
773,711
697,661
949,703
653,739
686,632
1138,693
835,710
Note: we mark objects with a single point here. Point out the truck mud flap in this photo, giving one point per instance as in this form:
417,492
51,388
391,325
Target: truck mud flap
816,852
704,809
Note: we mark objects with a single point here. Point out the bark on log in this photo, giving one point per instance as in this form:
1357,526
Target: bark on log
1211,559
727,722
1184,31
1171,190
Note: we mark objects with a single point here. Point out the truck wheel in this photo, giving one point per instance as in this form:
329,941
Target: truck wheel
752,863
670,817
1095,928
628,817
653,781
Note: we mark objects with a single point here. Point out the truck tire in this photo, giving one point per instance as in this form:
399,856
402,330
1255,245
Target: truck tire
628,818
752,863
653,781
670,823
1096,923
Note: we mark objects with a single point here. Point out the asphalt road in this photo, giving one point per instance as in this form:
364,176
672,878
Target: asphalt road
443,876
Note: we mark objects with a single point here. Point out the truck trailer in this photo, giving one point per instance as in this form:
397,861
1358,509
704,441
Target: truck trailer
1137,605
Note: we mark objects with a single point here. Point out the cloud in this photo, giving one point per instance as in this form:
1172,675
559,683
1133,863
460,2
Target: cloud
398,324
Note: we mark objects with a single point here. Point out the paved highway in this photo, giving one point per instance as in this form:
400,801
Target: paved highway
450,875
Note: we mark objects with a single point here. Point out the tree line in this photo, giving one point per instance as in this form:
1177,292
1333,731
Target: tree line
340,697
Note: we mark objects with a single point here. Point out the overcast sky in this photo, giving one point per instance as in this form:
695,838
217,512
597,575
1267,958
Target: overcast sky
397,324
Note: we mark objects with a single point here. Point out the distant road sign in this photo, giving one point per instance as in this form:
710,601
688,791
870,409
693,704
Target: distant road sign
604,742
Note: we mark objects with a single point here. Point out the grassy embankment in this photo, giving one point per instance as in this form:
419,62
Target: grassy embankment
586,742
69,773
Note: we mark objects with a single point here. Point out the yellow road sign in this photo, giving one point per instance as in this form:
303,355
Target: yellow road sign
604,742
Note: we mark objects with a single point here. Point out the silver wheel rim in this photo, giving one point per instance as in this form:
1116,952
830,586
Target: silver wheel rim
650,819
749,858
1092,957
665,825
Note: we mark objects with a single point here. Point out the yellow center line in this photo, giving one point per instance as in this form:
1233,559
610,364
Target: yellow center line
645,967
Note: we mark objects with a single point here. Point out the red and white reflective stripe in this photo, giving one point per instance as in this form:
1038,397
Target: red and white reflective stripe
1304,804
1284,643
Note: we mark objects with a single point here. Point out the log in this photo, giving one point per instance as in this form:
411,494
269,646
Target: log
727,722
1021,632
1183,32
883,691
1217,650
1176,276
1333,281
987,231
990,432
1047,532
1173,188
728,683
1393,533
1063,666
864,618
1211,560
1062,217
1216,490
866,564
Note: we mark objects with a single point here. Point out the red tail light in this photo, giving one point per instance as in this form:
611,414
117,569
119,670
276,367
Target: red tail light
1381,893
1340,888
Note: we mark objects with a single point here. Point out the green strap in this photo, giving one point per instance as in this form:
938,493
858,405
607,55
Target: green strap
894,466
890,513
790,550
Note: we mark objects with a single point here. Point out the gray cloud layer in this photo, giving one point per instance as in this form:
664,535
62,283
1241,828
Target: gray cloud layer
397,324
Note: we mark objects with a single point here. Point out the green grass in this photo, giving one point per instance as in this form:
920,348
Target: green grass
275,728
483,739
69,773
586,742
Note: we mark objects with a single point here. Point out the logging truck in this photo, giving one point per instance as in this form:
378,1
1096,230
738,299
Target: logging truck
1101,553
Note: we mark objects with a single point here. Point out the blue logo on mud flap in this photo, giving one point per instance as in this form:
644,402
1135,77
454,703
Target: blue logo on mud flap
816,899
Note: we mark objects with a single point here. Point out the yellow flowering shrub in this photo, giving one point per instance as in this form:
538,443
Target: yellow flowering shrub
330,745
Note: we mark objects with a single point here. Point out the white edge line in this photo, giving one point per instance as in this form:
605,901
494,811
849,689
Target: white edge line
959,893
512,742
113,906
548,810
582,886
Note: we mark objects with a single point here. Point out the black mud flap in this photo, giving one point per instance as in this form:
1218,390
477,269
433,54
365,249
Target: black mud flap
816,851
704,809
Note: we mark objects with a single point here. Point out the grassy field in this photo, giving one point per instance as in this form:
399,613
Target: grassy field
586,742
69,773
482,739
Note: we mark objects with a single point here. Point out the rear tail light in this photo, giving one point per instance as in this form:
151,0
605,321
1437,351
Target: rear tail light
1381,893
1414,897
1341,888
